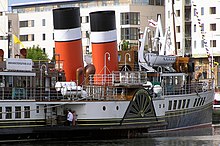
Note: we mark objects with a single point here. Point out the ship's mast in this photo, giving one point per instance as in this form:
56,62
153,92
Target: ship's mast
174,27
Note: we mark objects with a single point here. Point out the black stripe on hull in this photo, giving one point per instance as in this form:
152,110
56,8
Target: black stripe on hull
66,18
102,21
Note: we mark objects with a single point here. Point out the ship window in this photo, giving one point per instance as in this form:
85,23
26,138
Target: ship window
8,111
104,108
17,112
0,112
170,105
187,105
179,104
184,103
27,112
174,104
195,102
203,100
37,109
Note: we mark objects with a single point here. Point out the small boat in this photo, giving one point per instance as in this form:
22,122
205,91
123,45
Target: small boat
108,103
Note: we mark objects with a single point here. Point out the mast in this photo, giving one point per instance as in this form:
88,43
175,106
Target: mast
174,27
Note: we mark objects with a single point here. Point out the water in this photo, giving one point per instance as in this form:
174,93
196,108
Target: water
209,136
159,141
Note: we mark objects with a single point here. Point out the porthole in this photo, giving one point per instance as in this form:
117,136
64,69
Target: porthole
117,108
103,108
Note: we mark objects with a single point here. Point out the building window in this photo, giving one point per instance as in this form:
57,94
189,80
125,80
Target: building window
168,14
27,112
44,50
17,112
202,43
178,13
202,27
44,37
178,45
178,29
195,12
213,27
194,44
23,23
132,18
28,37
212,43
212,10
129,33
27,23
8,111
43,22
202,10
194,27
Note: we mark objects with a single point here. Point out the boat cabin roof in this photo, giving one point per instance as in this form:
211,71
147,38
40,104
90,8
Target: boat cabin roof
172,74
29,74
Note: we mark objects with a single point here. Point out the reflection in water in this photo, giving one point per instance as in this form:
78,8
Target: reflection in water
163,141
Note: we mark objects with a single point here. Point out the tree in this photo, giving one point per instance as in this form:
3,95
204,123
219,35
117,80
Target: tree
36,53
125,45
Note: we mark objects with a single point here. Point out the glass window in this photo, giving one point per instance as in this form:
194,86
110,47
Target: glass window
174,104
0,112
188,101
27,112
43,36
23,23
17,112
178,29
37,109
202,10
132,18
202,27
8,111
212,10
29,37
194,44
178,13
212,43
213,27
202,43
129,33
43,22
194,27
170,105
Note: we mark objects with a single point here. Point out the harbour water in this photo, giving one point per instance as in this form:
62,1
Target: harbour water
205,136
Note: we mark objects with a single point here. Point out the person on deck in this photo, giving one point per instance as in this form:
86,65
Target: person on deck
70,118
74,118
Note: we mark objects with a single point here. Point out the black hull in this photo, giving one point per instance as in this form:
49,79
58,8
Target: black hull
188,118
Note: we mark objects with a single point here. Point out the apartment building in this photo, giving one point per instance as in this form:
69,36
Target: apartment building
196,24
4,43
36,20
